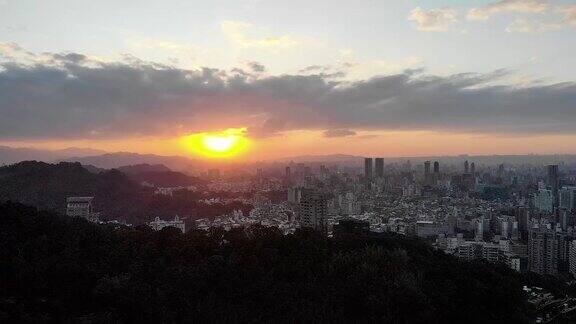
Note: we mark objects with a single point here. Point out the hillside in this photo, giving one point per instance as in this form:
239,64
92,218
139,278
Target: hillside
118,196
59,269
46,186
143,167
166,179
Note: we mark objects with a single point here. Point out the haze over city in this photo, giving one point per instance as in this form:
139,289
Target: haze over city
393,78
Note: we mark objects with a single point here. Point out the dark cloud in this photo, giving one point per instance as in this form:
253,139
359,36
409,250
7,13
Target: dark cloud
338,133
73,97
256,67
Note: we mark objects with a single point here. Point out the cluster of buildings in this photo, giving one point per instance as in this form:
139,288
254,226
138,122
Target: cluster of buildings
520,215
158,224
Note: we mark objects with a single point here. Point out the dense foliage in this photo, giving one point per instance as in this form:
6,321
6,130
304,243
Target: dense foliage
59,269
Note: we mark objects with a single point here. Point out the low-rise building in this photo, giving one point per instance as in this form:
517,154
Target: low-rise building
159,224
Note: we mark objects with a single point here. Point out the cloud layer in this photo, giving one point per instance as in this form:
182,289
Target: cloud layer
433,20
529,16
71,96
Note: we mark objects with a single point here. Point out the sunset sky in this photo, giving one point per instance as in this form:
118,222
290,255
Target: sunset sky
387,78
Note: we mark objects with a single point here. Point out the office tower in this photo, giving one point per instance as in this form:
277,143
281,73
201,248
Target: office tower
379,165
287,174
313,211
567,198
466,167
543,251
436,167
368,168
427,172
522,216
323,169
553,181
473,168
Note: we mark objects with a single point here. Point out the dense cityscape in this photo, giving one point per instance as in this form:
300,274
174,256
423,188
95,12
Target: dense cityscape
523,216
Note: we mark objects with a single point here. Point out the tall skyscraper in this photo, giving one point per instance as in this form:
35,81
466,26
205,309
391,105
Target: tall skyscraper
288,172
436,167
473,168
427,175
426,167
379,166
368,168
313,211
466,167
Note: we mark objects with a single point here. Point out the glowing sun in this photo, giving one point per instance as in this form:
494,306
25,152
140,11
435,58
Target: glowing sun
227,143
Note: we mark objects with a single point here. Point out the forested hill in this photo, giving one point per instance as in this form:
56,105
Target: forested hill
46,186
59,269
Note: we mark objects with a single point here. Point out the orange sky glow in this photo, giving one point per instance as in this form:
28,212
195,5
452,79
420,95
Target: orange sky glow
295,143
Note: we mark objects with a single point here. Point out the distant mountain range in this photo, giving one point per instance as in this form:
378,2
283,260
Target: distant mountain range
332,158
353,160
96,160
122,159
10,155
142,168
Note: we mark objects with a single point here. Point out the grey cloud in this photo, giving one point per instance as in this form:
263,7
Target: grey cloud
76,98
256,67
338,133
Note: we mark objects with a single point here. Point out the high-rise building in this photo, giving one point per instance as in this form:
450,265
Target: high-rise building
288,172
473,168
542,251
427,175
567,198
553,181
368,168
313,211
379,166
466,167
544,201
436,167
